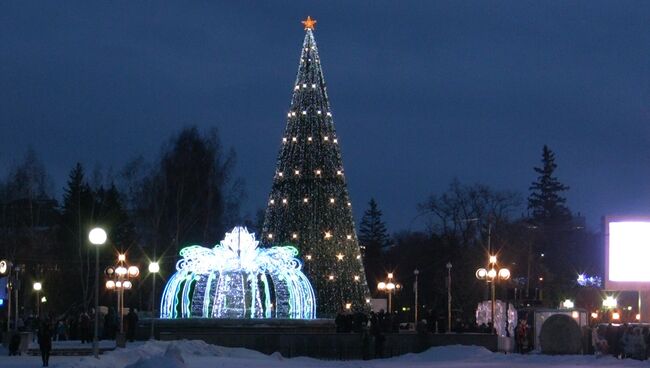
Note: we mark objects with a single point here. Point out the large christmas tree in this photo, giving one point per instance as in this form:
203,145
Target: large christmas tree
309,204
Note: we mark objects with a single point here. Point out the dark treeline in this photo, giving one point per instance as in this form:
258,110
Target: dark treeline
540,241
188,195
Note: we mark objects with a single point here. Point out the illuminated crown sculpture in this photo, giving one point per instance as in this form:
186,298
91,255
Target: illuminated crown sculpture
236,279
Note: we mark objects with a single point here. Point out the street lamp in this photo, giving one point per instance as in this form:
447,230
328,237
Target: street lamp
416,272
37,288
119,280
389,287
154,268
491,276
97,237
448,296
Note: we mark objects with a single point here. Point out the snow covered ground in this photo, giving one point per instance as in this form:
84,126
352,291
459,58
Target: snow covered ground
197,354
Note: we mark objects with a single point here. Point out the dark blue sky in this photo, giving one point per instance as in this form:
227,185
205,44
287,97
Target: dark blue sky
422,92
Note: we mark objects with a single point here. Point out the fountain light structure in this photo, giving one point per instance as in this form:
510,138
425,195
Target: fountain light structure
238,279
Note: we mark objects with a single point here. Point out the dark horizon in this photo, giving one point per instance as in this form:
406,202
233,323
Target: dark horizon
421,93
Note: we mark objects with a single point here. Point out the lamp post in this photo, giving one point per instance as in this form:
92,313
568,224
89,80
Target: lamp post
37,288
388,286
119,280
416,272
491,276
448,296
154,268
97,237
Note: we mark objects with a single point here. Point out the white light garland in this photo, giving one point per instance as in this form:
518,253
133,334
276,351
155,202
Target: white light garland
236,279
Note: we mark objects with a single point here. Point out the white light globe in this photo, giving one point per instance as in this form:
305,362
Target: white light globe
154,267
492,273
127,285
134,271
97,236
110,284
38,286
121,271
504,274
381,286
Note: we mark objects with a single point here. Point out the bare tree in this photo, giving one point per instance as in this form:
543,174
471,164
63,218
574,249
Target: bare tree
464,211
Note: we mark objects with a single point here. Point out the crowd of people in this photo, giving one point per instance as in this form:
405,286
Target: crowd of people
622,341
79,326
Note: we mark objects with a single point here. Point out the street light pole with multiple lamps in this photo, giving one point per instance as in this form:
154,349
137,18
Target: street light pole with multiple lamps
491,275
389,287
119,280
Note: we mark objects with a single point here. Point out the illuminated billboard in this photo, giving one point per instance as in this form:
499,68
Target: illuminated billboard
627,258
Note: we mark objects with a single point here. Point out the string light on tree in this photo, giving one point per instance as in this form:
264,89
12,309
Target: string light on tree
326,228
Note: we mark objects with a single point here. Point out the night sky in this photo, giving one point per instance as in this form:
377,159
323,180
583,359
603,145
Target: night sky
421,92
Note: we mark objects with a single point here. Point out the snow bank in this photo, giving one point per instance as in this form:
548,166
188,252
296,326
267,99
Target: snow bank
198,354
167,354
173,358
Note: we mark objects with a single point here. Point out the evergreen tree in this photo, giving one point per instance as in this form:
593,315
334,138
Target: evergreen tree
373,238
545,200
77,215
373,235
309,204
551,236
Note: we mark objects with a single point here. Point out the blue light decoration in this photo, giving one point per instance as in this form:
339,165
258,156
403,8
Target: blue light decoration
589,281
236,279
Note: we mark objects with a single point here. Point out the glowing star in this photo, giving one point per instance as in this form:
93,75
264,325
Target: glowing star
309,23
236,279
328,235
340,256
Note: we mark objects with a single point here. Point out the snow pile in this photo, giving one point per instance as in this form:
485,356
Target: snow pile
167,354
173,358
448,353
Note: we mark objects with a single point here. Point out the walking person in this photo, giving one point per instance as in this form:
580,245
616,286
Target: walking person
45,342
131,324
84,328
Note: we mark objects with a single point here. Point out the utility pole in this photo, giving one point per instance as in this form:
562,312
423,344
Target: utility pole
448,296
416,272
